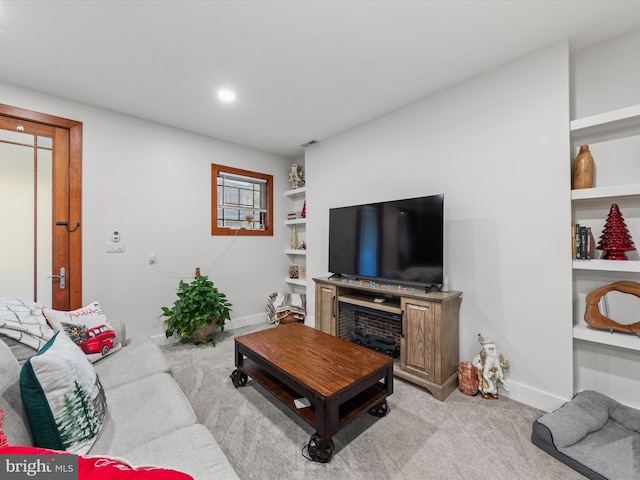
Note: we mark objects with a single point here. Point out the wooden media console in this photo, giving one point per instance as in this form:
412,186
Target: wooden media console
424,326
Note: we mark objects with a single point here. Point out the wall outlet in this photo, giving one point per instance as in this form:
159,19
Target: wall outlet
113,247
153,259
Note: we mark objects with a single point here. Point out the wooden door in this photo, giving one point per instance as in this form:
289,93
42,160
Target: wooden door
417,351
325,310
63,205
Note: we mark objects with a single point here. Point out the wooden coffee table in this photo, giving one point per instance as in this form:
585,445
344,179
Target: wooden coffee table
341,380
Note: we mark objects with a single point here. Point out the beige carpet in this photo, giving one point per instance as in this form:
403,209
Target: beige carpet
420,438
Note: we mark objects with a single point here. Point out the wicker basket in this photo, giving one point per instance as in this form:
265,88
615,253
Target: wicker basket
289,317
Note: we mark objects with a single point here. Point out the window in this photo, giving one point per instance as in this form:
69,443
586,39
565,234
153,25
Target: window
241,202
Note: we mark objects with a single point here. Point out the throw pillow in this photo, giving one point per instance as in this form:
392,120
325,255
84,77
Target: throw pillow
88,327
3,438
62,396
104,468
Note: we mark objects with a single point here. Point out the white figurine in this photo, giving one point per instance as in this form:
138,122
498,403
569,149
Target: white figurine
490,365
296,176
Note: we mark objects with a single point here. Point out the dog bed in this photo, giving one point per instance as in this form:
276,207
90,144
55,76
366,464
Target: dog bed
593,434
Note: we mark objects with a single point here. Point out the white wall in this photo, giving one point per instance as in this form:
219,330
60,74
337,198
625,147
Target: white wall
152,184
497,146
606,76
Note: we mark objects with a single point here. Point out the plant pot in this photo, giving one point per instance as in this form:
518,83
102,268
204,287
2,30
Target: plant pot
201,334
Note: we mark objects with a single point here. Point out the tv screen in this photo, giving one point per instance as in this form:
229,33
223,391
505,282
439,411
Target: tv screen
399,241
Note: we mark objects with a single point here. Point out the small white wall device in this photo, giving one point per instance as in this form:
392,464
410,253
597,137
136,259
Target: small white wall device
115,245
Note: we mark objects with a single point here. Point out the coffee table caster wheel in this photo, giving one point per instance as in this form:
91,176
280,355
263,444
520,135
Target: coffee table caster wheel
379,410
238,378
317,451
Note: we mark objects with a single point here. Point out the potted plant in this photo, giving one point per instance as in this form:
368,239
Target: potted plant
199,309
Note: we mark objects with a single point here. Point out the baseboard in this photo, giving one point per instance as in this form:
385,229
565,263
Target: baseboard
229,325
533,397
246,321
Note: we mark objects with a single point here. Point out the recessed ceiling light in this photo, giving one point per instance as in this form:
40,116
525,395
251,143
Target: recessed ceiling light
226,95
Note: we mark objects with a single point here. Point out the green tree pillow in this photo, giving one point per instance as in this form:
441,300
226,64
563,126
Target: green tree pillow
62,396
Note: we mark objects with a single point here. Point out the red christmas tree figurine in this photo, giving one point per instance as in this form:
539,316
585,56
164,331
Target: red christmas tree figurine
615,238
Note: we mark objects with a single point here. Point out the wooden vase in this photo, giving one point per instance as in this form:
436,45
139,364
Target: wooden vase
583,169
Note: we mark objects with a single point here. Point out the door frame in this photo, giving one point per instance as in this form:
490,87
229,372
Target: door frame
67,238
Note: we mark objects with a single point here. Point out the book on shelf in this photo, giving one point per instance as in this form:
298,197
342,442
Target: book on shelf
581,241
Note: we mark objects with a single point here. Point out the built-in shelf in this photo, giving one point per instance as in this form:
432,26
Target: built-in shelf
615,124
296,200
617,339
605,126
296,192
607,265
612,191
296,221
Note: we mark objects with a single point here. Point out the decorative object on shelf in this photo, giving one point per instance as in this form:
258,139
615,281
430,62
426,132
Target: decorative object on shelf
248,218
468,378
199,310
596,319
302,272
583,169
304,210
490,365
294,271
615,239
294,238
296,176
302,246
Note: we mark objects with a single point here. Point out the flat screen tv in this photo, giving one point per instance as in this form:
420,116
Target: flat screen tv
399,241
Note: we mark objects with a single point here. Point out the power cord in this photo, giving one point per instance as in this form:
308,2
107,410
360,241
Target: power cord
207,271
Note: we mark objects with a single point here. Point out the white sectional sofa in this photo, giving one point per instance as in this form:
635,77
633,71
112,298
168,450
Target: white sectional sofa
149,421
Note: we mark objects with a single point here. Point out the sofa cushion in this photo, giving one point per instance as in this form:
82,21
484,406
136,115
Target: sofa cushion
192,450
140,358
24,322
104,468
15,419
62,396
88,327
142,411
19,350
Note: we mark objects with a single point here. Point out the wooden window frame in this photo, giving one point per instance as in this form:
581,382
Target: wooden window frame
215,230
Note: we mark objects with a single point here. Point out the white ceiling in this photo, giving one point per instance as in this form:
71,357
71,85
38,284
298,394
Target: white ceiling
302,70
